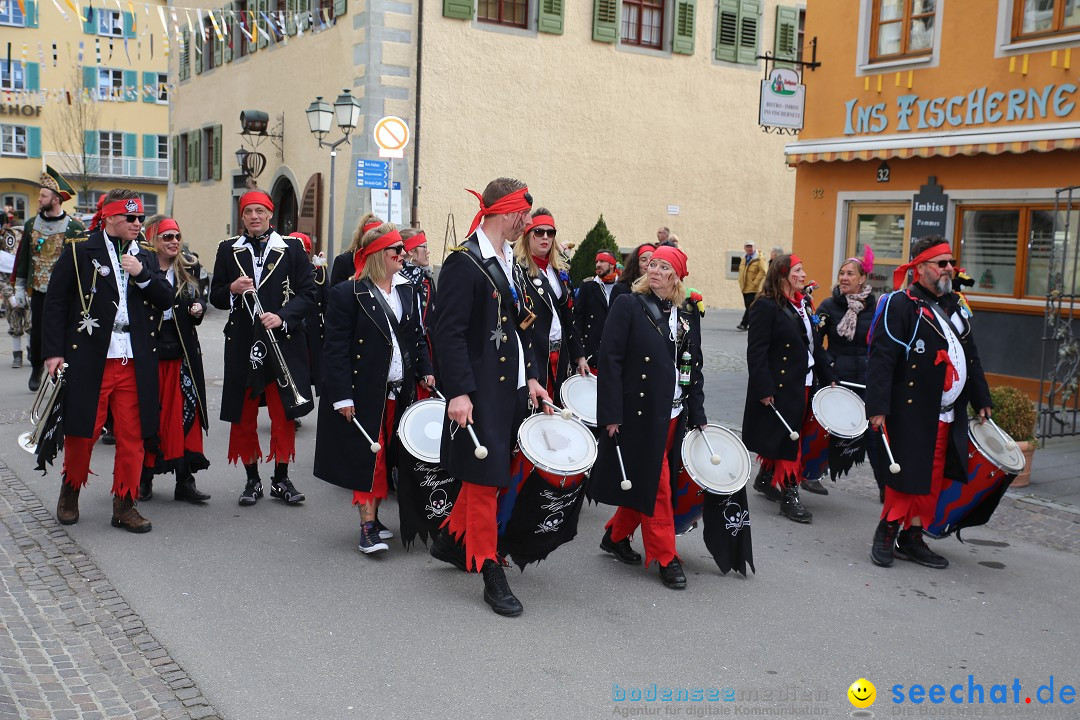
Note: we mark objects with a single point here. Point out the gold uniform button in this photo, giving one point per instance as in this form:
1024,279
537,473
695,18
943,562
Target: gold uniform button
638,412
785,358
787,345
648,359
641,394
145,302
502,378
504,318
151,333
361,341
783,372
913,367
502,359
357,357
74,347
643,376
911,384
780,385
528,364
909,401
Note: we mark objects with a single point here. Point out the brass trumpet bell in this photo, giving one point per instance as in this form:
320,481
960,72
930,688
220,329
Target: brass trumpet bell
42,408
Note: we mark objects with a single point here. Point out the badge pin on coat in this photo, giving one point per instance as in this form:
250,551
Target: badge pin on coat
920,346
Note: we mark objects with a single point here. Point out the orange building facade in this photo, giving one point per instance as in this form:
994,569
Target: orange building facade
951,117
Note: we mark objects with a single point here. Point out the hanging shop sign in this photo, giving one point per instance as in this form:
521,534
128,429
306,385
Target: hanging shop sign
929,210
782,100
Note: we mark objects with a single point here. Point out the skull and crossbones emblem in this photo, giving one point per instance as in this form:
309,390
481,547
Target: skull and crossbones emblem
551,523
736,518
258,354
438,505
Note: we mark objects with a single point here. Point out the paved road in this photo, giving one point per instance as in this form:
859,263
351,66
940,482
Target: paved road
274,614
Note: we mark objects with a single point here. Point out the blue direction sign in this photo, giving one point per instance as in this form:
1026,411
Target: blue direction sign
373,174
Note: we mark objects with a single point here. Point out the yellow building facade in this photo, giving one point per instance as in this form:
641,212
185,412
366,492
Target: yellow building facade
644,111
88,96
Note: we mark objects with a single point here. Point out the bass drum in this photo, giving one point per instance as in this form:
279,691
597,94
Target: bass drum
699,475
426,492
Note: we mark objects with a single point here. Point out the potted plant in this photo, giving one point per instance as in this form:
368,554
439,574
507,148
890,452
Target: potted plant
1014,412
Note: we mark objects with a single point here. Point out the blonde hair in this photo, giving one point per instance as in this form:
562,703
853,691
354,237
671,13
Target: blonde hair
524,256
182,264
358,234
375,266
678,293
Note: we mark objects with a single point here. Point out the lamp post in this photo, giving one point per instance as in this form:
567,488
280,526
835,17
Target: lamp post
320,116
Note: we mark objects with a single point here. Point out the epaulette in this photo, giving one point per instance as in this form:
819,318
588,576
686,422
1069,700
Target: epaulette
458,248
147,246
81,237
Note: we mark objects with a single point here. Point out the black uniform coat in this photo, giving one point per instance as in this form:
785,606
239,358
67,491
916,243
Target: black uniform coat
85,353
186,325
357,352
540,299
590,314
286,289
468,362
906,387
342,268
313,324
847,357
635,387
776,359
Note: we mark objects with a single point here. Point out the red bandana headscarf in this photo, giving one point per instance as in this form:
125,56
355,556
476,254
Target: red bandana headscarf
415,241
166,225
901,272
538,221
517,201
674,257
256,197
361,256
606,257
368,227
304,240
130,206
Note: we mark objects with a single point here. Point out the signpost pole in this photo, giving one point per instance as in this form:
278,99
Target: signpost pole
390,191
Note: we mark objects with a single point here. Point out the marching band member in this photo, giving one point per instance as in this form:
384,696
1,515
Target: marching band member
785,358
923,372
374,354
181,383
487,367
313,323
417,270
549,295
261,265
592,304
650,388
105,284
343,266
636,263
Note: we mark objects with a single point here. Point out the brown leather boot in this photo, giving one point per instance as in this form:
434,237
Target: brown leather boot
126,516
67,507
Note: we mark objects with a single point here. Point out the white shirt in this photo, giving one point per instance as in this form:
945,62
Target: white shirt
606,288
673,328
810,348
555,333
170,275
506,262
120,342
957,357
396,372
273,241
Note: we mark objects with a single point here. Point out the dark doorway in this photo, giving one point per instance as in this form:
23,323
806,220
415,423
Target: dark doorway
285,210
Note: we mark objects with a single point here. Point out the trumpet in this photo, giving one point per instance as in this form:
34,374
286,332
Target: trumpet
284,377
40,411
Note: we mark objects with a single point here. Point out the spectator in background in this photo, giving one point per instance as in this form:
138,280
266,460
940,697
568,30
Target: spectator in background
662,234
776,252
751,276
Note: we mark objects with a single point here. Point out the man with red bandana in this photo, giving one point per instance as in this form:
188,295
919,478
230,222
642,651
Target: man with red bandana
592,303
488,369
417,270
923,372
279,270
100,319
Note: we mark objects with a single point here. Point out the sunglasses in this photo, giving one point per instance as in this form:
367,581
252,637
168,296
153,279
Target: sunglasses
540,232
396,249
170,236
134,218
944,263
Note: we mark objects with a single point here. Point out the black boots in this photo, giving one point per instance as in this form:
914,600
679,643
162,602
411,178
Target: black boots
621,550
814,486
187,492
672,575
881,552
446,549
146,484
497,592
763,484
910,545
791,506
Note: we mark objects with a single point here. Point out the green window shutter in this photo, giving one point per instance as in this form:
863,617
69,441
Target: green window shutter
264,28
31,18
228,16
200,48
191,155
339,8
33,137
130,154
149,87
197,158
683,40
129,24
727,30
89,77
131,85
90,142
749,31
787,32
32,74
460,9
551,16
217,152
185,55
605,26
219,48
290,17
174,154
89,25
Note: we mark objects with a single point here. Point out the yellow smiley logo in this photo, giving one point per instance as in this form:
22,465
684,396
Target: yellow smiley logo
862,693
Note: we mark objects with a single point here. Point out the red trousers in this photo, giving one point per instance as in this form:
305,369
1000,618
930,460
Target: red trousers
473,518
244,435
173,440
380,480
906,507
553,373
118,392
657,530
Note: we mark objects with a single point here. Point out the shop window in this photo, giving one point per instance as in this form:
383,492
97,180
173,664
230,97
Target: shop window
882,227
150,203
902,28
18,204
989,240
513,13
1041,18
643,23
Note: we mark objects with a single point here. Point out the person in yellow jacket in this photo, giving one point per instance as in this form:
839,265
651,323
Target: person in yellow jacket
751,275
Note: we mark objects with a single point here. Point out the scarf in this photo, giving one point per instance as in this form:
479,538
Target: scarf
542,262
609,278
856,302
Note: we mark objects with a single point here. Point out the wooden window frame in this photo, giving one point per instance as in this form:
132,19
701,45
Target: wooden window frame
501,20
905,35
880,207
642,6
1018,35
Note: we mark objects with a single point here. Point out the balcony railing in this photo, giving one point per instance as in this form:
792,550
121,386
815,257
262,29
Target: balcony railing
110,166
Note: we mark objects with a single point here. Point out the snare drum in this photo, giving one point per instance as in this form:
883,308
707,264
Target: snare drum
578,394
699,475
426,492
840,412
991,466
539,511
815,449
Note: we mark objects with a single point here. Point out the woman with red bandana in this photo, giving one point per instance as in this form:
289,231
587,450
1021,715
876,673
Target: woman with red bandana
785,359
646,404
181,383
374,355
636,263
417,270
342,267
549,295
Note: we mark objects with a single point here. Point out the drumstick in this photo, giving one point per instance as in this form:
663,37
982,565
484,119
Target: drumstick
1009,442
375,447
480,452
894,467
851,384
564,413
791,433
625,484
714,457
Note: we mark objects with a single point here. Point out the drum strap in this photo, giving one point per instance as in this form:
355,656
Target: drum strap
395,325
656,317
497,277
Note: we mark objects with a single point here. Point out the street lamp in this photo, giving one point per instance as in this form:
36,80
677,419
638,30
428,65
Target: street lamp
241,156
320,115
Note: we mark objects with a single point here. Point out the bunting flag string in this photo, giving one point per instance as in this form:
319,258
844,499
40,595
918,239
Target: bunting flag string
62,11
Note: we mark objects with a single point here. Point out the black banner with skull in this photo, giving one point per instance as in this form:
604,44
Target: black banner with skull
544,517
727,531
426,495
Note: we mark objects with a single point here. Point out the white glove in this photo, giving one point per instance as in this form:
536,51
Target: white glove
19,298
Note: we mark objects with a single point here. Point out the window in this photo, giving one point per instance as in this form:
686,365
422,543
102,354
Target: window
12,74
149,201
182,161
109,22
738,30
237,40
162,147
163,88
110,84
503,12
13,141
111,152
882,226
1038,18
86,201
206,157
901,28
17,202
211,56
11,13
1007,250
642,23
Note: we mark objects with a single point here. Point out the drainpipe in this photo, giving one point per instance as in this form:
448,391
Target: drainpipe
416,121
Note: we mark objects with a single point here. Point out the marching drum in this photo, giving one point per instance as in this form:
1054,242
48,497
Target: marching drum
426,492
840,412
539,511
839,425
993,461
815,449
699,475
578,394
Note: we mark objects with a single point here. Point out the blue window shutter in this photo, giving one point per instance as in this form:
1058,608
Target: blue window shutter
31,18
149,87
131,85
749,31
683,40
605,20
149,146
129,24
90,142
130,153
89,75
89,25
32,74
33,138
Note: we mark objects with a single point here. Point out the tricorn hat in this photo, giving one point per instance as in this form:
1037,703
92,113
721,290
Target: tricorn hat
56,182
